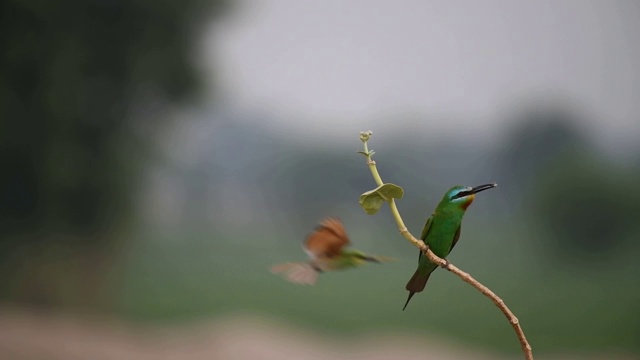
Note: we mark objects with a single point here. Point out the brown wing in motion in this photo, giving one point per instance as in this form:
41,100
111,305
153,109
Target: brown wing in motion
298,273
327,240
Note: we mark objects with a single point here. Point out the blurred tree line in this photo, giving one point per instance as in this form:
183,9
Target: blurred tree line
75,75
578,199
562,224
582,199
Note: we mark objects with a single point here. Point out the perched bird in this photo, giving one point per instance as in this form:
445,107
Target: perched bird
326,248
442,231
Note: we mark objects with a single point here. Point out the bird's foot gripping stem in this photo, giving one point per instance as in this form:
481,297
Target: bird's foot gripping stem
446,264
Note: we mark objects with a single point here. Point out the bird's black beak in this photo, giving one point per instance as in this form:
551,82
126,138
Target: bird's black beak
484,187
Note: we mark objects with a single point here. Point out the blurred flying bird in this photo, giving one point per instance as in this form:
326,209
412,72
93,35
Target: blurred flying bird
326,248
442,231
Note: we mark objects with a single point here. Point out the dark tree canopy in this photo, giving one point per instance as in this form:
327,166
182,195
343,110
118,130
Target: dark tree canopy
586,204
71,74
578,197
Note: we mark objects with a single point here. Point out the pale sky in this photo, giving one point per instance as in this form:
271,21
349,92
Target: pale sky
347,64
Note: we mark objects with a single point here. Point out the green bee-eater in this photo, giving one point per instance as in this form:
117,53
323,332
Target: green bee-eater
326,248
442,231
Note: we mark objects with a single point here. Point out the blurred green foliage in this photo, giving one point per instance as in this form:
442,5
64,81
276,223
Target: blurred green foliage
76,79
583,200
570,278
589,207
557,240
187,277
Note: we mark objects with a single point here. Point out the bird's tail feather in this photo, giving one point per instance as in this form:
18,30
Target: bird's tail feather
416,284
377,259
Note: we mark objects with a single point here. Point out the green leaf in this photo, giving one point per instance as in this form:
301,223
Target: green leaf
367,154
372,200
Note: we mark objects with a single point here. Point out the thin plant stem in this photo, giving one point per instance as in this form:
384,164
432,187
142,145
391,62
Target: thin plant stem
444,263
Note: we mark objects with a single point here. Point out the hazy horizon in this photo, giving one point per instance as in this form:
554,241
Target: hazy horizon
450,67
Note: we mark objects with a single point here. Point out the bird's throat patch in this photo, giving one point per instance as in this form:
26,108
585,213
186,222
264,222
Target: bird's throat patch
468,201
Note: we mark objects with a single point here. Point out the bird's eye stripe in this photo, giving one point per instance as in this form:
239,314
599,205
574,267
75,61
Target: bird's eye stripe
460,194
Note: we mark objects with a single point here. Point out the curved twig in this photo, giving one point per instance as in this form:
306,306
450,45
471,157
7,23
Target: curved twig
513,320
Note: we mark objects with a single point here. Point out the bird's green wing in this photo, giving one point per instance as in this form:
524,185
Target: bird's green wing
456,237
427,227
425,232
